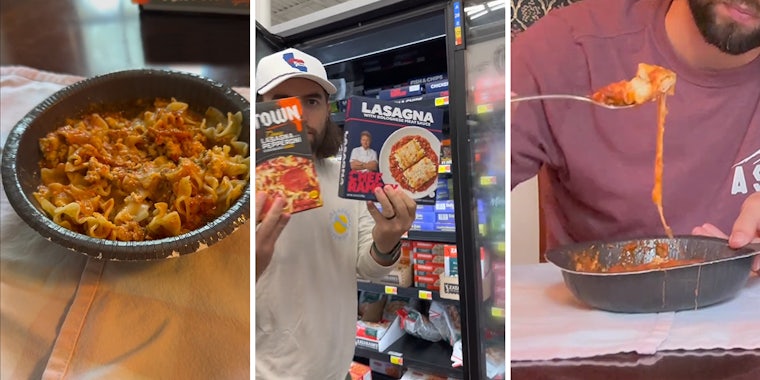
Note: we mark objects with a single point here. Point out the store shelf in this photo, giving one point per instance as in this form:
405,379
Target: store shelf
434,236
433,357
403,291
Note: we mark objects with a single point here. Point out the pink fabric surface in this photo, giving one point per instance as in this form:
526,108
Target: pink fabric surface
66,316
547,322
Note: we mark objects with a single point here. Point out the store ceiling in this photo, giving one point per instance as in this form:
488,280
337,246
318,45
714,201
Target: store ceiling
286,10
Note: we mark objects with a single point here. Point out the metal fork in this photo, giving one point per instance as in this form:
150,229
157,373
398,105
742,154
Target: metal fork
570,97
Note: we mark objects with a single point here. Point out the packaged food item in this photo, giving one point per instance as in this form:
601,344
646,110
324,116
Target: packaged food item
436,316
394,144
371,306
284,160
496,361
392,305
456,354
381,334
447,320
359,371
413,374
388,369
416,324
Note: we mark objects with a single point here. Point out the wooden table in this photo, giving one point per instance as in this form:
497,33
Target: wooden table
729,365
92,37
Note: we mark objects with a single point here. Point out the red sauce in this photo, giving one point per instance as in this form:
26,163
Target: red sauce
622,267
398,173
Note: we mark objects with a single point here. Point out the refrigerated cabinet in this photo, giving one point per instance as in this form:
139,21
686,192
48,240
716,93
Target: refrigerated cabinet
464,40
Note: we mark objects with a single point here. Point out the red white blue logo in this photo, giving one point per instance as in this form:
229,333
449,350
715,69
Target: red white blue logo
294,62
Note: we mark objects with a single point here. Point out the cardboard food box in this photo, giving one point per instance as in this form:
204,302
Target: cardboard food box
380,335
359,371
449,288
427,79
400,275
401,92
428,247
391,370
437,86
413,374
378,339
402,145
284,161
451,264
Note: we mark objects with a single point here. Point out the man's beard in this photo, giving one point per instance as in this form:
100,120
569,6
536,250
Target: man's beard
328,142
317,138
729,36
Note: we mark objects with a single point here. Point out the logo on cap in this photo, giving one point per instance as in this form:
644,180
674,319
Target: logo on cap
294,62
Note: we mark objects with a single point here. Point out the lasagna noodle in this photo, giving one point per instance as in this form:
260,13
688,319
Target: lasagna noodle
650,81
421,172
408,154
155,175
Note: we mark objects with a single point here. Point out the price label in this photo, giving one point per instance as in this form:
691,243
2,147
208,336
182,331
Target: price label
484,108
425,295
487,180
498,312
442,101
444,168
391,290
397,360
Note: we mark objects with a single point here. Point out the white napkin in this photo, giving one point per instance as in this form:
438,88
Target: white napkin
732,324
549,323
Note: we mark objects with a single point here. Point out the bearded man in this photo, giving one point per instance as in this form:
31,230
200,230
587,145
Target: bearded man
596,165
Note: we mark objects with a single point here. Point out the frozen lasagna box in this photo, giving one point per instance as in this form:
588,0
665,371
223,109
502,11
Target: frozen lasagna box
388,143
284,161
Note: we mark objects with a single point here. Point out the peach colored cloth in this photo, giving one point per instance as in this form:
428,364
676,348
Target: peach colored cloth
66,316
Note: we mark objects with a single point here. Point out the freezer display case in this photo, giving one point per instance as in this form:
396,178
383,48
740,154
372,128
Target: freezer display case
433,47
478,133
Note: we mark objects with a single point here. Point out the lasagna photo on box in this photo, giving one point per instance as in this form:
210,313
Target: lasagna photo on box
284,161
390,143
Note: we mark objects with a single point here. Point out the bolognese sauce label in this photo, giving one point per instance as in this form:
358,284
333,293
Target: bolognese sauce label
284,161
390,143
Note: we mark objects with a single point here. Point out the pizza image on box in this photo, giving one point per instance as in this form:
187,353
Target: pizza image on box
284,161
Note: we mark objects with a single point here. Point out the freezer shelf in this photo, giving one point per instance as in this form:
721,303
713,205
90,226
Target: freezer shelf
432,236
403,292
432,357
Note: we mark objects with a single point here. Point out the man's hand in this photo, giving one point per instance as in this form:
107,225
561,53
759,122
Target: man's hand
399,211
268,229
746,228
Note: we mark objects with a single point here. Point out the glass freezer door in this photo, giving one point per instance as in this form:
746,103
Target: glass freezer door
478,134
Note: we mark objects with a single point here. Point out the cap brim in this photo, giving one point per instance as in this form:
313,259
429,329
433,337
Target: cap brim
329,87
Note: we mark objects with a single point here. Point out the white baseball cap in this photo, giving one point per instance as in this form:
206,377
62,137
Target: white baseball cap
290,63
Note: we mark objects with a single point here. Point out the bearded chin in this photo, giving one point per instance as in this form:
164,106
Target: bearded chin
728,37
317,139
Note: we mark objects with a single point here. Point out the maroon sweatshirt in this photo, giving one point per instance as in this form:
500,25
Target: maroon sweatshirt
599,163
